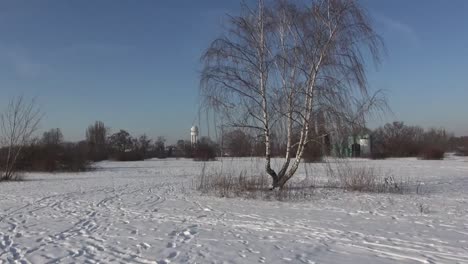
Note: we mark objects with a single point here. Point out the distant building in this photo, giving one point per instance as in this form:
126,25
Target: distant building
364,143
194,135
358,145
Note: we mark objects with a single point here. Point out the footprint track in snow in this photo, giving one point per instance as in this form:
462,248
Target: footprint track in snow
184,236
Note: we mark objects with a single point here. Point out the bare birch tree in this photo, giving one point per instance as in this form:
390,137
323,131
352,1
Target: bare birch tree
290,69
18,123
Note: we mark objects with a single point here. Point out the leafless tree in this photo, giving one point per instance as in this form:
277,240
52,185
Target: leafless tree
97,133
279,67
18,123
121,142
96,137
53,137
143,145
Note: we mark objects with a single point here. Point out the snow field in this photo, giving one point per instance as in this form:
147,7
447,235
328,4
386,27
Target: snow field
148,212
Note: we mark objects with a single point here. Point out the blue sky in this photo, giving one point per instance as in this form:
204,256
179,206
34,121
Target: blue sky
135,64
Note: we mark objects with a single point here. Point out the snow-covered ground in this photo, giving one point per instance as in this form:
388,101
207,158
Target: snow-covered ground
148,212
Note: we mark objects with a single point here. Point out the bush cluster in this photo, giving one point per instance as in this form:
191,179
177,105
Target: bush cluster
230,184
361,178
459,145
237,143
63,157
205,150
399,140
432,153
50,153
313,152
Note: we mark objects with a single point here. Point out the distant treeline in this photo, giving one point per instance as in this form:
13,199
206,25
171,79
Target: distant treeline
399,140
391,140
50,152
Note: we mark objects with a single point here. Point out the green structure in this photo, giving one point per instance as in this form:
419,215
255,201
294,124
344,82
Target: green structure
353,146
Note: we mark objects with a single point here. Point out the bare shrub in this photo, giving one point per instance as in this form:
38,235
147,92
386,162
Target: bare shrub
205,150
313,153
17,125
364,179
230,184
432,153
52,158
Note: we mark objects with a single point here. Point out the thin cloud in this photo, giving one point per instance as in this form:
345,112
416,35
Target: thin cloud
398,27
22,64
26,67
92,48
